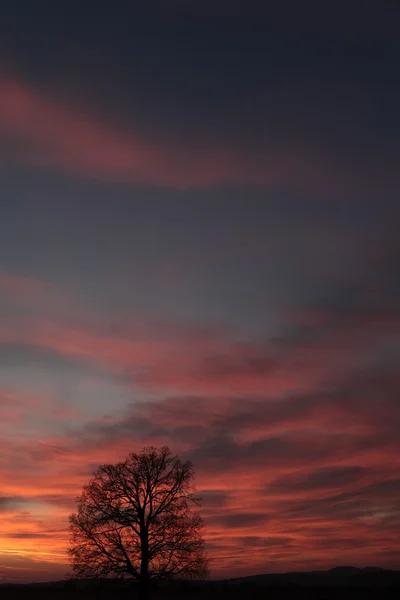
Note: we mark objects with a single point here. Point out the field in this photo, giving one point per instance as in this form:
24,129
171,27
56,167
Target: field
340,584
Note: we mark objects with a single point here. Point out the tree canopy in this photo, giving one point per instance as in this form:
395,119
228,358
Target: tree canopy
138,519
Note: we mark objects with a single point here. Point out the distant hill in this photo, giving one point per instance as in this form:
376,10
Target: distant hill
344,571
356,570
343,576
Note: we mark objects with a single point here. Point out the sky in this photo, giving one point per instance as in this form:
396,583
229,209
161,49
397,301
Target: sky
199,247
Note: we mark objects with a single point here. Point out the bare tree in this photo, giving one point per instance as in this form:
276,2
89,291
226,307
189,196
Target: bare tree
135,520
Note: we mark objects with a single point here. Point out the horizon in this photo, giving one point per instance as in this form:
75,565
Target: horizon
199,247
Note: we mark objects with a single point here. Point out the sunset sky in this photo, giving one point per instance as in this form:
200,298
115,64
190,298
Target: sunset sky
199,247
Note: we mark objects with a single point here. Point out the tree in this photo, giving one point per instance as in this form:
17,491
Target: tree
135,519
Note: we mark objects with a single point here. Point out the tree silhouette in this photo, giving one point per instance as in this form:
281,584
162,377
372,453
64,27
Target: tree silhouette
135,519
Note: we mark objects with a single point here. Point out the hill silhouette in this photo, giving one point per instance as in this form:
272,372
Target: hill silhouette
341,576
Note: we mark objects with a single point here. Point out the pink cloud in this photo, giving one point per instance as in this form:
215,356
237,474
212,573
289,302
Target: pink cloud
202,365
19,285
38,296
196,362
51,134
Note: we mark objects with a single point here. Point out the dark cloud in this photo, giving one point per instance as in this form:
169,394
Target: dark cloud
333,477
214,498
264,542
238,520
217,453
60,500
347,411
374,502
21,355
10,502
28,535
245,361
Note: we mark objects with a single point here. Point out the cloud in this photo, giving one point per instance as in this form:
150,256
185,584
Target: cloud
21,295
20,355
27,535
239,520
25,285
9,501
48,134
332,477
205,364
210,363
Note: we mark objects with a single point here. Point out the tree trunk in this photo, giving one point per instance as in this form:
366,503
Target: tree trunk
144,567
144,589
